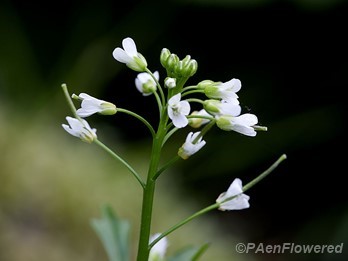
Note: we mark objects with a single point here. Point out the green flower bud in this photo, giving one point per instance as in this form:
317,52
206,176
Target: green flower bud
165,53
204,84
224,123
212,106
107,108
171,62
191,68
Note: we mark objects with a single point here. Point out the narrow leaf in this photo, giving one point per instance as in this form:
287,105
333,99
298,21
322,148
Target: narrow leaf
114,234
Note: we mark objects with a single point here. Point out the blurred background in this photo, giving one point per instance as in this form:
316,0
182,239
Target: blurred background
291,57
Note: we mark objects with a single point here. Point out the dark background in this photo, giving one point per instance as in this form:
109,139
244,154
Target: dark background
290,56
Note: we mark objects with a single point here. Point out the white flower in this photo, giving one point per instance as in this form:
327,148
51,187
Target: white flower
225,91
218,108
91,105
158,251
145,83
80,129
198,122
177,111
242,124
130,56
190,147
241,200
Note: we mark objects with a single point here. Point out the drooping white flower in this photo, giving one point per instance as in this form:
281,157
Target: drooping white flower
178,110
130,56
225,91
190,147
158,251
218,108
145,83
242,124
240,201
91,105
80,129
198,122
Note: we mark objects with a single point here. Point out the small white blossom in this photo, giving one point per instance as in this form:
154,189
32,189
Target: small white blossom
224,91
190,147
130,56
80,129
240,201
198,122
145,83
218,108
170,82
178,110
158,251
91,105
242,124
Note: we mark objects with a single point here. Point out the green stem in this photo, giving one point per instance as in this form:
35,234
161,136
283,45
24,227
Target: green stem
169,134
158,85
195,100
69,100
192,87
183,222
190,92
114,155
148,125
149,190
216,205
166,166
159,103
265,173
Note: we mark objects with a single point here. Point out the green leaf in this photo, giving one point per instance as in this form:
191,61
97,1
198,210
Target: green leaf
190,253
114,234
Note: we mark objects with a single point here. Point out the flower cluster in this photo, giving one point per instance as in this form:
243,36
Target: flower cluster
221,108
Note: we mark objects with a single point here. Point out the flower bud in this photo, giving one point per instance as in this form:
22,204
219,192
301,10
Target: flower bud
171,62
165,53
212,106
170,82
191,68
107,108
204,84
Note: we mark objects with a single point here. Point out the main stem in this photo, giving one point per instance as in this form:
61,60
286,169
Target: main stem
149,190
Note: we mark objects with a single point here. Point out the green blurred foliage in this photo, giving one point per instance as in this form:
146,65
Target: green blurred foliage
292,60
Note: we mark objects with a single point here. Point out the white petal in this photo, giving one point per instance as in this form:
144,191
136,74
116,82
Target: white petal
82,112
246,130
247,119
170,113
185,107
238,203
189,138
139,84
121,56
230,109
236,84
175,99
69,130
156,74
85,96
75,124
179,121
144,77
130,47
235,188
